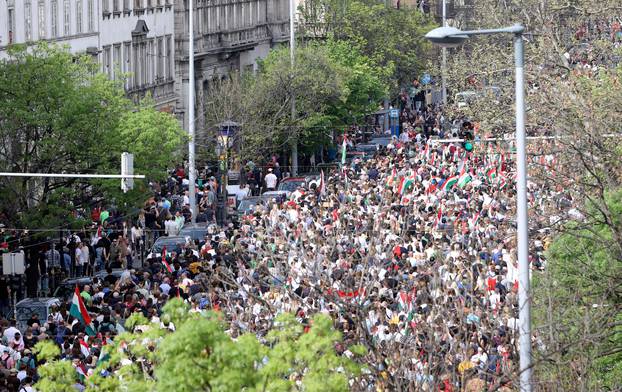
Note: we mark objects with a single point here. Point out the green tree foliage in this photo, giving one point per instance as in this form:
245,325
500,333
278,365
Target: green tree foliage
579,303
199,355
58,114
334,85
392,38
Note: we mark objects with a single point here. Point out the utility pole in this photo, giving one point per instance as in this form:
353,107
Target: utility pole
292,48
191,147
444,59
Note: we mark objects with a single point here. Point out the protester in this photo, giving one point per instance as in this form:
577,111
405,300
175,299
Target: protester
412,252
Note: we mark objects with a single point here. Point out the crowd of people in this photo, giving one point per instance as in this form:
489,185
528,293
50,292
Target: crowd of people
411,250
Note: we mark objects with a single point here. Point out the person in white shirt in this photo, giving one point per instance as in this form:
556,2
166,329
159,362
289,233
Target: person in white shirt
10,332
78,252
82,259
271,180
170,227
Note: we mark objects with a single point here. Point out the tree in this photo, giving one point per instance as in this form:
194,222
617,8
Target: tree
333,83
572,94
391,38
578,300
199,355
58,114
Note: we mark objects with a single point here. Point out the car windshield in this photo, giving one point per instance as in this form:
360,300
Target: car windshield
196,233
64,291
366,148
291,186
24,313
381,141
246,205
171,246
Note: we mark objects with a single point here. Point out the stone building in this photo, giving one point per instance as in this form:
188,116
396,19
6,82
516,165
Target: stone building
229,35
146,41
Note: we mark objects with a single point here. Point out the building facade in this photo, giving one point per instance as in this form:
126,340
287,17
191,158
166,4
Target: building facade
229,35
133,39
146,41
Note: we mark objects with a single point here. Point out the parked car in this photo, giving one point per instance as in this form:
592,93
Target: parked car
250,203
380,140
173,244
25,308
197,231
290,184
67,287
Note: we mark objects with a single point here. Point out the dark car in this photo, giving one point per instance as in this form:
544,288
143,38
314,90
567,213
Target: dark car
196,231
67,287
173,244
250,203
380,140
290,184
25,308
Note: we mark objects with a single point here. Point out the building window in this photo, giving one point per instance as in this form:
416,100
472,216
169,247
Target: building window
67,17
167,57
126,5
116,6
135,65
54,18
79,11
11,20
143,64
106,61
41,20
127,57
160,58
27,21
138,4
89,15
116,60
105,6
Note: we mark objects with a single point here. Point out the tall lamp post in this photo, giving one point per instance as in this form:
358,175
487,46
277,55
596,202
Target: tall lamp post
452,37
226,131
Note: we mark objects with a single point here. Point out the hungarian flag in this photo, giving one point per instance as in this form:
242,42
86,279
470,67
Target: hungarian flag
78,310
392,177
474,220
84,348
439,215
464,179
404,184
449,183
404,301
491,173
168,267
322,188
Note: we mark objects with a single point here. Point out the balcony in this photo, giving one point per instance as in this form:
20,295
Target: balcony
225,41
161,90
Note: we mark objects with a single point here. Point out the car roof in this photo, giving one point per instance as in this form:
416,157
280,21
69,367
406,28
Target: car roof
199,225
38,301
74,281
171,239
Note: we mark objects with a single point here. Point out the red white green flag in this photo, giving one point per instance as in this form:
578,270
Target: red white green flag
78,310
166,264
449,183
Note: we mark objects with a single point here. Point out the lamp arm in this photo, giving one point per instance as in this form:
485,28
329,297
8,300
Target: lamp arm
516,29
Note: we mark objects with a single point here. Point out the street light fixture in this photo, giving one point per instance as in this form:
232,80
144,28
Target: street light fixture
452,37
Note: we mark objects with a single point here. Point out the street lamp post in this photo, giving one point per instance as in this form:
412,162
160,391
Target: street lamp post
191,146
226,130
451,37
